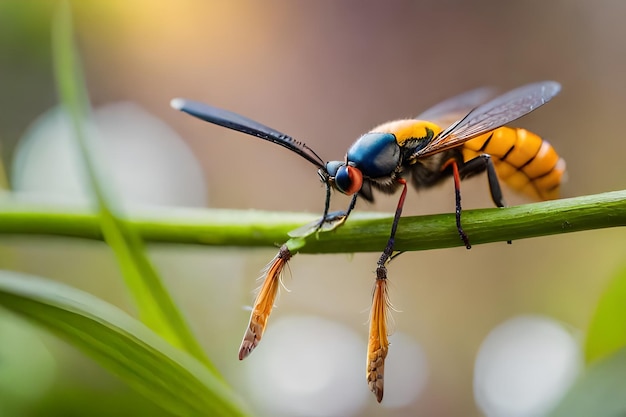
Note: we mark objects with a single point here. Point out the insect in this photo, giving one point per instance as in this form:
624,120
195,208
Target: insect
420,151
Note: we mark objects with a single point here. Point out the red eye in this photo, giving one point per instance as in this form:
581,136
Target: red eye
349,179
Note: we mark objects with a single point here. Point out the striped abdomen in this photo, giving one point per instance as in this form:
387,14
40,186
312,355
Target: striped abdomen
524,161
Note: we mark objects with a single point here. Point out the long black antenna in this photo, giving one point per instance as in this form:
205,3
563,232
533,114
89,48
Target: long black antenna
242,124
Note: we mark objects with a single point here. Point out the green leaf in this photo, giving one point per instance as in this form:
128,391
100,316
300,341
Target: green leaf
607,331
600,392
156,307
169,377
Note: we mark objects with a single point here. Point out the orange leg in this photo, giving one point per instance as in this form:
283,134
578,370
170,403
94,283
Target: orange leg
378,344
264,303
457,194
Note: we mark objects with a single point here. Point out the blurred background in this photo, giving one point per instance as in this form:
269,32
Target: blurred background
324,72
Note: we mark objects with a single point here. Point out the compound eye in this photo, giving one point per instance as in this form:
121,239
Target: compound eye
348,179
333,166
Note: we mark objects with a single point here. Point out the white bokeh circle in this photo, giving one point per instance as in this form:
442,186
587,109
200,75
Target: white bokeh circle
308,366
525,366
141,159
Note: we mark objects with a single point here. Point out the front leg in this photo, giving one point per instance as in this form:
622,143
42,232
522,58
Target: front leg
330,221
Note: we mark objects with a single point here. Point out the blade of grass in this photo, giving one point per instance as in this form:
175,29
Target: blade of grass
156,307
169,377
607,331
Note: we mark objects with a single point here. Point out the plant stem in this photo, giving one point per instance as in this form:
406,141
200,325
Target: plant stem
363,232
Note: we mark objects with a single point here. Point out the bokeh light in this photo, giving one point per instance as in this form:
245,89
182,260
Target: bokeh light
310,367
406,371
133,147
524,367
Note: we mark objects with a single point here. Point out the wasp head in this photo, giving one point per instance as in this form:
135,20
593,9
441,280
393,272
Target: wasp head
343,176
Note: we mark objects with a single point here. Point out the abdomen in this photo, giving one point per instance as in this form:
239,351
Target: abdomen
523,161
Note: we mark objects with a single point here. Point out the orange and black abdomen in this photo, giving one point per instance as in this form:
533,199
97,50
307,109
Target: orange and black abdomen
524,161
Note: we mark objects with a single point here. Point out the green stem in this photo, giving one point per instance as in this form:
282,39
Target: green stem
363,232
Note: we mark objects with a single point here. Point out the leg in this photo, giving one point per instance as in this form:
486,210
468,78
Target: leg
328,221
326,206
264,302
457,195
479,164
338,217
378,344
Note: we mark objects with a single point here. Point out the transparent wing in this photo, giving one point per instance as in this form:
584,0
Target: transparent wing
452,109
492,115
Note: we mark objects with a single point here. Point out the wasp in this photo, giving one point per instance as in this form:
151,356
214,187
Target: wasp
459,138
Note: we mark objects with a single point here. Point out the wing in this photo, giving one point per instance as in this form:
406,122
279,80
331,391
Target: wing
242,124
492,115
452,109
